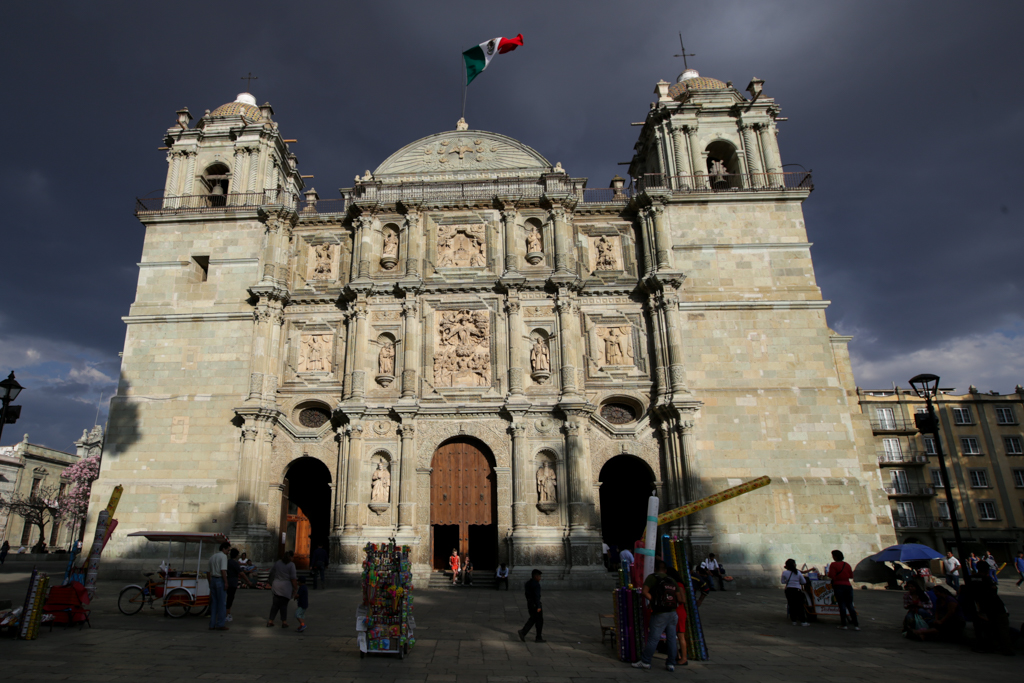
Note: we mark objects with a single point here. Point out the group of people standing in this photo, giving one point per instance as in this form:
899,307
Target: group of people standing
840,572
229,569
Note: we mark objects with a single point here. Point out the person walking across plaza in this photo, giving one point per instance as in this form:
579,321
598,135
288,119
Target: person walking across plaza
664,596
284,586
218,587
453,562
501,575
234,570
318,560
840,572
533,608
794,581
952,567
626,561
4,549
301,604
1019,566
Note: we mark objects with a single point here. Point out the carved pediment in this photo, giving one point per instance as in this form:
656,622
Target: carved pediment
463,152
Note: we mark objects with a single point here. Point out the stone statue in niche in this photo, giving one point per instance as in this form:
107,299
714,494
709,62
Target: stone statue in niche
462,355
315,353
389,257
386,358
618,348
321,262
605,254
540,357
534,245
380,482
546,484
461,246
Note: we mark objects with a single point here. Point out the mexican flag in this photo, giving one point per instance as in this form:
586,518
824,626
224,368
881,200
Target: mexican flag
477,58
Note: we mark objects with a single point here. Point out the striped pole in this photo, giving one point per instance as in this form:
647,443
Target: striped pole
698,505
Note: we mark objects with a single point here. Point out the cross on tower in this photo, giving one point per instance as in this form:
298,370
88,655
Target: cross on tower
684,55
250,78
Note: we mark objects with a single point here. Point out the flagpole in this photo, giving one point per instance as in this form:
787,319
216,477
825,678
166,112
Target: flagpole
465,85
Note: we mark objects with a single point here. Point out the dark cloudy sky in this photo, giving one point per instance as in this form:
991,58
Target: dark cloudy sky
910,114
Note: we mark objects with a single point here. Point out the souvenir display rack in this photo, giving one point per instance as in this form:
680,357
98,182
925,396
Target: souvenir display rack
630,623
32,611
384,622
675,553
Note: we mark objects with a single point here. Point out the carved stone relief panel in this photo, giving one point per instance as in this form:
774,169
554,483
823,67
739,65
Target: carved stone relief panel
315,353
615,346
605,253
320,262
461,246
462,356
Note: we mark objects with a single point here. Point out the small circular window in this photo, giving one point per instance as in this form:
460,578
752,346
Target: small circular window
313,417
618,413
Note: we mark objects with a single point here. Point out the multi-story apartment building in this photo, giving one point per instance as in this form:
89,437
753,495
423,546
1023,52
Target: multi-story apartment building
983,442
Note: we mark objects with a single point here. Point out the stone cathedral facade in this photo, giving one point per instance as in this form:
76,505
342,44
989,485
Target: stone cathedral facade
473,349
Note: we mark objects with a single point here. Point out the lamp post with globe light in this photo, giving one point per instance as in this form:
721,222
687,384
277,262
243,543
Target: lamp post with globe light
927,387
9,390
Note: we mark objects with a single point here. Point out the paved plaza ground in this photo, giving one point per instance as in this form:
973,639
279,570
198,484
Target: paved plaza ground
468,634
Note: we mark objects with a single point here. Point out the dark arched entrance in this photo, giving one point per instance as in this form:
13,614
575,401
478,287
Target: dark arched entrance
306,509
626,484
463,504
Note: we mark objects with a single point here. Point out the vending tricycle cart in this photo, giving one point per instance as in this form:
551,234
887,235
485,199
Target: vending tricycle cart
183,592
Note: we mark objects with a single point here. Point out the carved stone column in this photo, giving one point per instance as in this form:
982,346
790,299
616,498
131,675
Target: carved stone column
188,186
696,158
515,346
338,520
508,225
662,241
753,155
237,184
254,167
246,483
363,227
407,485
770,146
355,457
669,304
262,317
682,161
171,185
271,371
410,347
265,449
412,242
520,477
696,528
361,353
567,371
563,240
580,501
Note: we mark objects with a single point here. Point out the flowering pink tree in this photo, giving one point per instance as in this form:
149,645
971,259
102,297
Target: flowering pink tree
74,504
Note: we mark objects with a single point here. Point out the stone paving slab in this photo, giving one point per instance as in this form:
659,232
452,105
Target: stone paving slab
468,635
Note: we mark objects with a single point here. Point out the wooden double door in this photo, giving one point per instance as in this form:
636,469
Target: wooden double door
462,505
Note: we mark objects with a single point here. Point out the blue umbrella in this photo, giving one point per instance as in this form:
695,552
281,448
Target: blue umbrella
907,552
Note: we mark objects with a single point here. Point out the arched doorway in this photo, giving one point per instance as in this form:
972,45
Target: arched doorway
463,504
305,509
626,484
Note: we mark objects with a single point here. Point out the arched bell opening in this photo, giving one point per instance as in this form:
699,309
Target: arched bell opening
216,180
723,165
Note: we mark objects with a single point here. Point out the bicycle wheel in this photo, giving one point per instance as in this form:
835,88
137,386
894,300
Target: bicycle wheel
177,603
131,600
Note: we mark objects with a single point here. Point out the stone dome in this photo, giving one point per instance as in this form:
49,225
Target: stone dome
691,80
244,106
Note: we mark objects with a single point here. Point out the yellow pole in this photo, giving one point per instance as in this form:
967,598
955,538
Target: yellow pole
698,505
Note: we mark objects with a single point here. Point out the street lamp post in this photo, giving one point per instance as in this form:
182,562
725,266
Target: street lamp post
927,387
9,390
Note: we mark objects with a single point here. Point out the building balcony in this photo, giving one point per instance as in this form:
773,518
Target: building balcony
727,182
909,491
908,522
911,458
894,425
213,203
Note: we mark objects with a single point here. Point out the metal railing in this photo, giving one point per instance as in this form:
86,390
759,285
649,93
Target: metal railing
908,458
909,490
894,424
202,203
321,206
728,182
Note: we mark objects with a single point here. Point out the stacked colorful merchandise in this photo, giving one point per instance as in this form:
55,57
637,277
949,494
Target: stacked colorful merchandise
674,550
386,622
33,609
631,622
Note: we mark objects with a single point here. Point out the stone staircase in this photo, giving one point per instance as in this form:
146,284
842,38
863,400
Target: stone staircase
443,580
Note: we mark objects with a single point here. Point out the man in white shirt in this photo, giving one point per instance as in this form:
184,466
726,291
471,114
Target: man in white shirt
501,575
952,567
715,570
626,559
218,587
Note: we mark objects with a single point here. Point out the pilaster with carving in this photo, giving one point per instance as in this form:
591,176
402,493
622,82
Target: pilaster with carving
662,239
246,475
520,477
563,240
413,231
407,486
338,517
361,344
696,528
667,302
364,225
355,456
188,186
410,346
515,345
581,504
752,154
770,147
696,158
567,371
508,226
683,168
